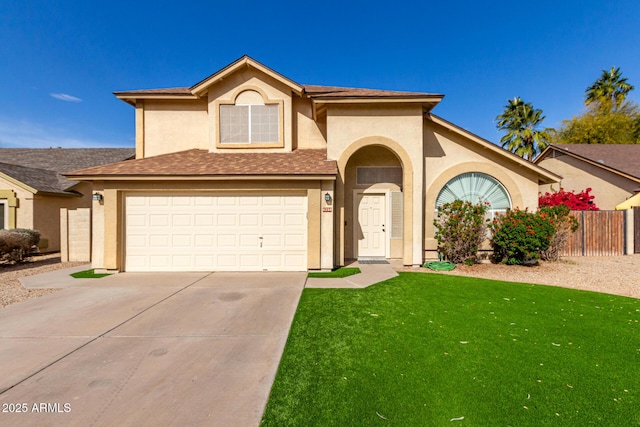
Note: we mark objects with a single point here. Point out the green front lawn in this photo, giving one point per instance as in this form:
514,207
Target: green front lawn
426,349
88,274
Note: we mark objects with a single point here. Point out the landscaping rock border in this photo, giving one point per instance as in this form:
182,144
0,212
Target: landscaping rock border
616,275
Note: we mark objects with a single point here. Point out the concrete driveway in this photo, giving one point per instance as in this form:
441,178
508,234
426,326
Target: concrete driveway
134,349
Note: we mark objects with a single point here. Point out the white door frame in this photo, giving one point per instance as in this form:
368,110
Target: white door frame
387,216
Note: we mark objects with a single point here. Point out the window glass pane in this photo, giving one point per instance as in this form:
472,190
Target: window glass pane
234,124
265,126
475,187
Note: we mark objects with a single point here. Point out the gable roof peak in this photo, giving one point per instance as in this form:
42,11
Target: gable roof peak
201,87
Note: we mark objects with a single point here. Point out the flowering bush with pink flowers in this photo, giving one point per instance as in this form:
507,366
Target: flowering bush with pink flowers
582,201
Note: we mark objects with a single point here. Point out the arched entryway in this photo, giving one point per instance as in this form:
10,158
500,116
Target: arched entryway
375,192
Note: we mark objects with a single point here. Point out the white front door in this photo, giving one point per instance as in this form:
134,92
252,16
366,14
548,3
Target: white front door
371,230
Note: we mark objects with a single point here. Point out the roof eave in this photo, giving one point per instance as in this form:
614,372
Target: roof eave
320,103
545,176
18,183
132,97
300,177
613,170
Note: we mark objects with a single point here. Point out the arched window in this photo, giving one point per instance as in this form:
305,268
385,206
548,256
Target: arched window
476,187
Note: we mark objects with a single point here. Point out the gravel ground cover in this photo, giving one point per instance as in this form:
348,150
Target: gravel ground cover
619,275
11,291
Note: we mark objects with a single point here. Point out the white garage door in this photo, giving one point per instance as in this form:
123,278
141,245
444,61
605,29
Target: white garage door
195,232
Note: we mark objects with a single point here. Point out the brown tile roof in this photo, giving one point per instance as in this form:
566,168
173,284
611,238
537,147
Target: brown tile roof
313,91
41,168
345,92
163,91
622,157
204,163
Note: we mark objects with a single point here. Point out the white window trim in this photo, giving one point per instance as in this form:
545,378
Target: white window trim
266,101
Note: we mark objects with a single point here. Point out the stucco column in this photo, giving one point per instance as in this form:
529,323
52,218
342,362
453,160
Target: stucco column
418,213
326,226
112,208
629,221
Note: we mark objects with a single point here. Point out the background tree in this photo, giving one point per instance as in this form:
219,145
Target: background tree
521,122
609,91
609,119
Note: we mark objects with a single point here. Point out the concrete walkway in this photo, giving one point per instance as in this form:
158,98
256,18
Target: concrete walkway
370,274
56,279
147,349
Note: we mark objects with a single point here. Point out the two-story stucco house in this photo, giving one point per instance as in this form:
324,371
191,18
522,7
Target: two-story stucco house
248,170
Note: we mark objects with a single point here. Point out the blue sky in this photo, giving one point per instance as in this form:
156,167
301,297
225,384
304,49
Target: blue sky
60,61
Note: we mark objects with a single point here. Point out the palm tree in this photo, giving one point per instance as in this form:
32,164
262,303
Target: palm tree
609,91
521,122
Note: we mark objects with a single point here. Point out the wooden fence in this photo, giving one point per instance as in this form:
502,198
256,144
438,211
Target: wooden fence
599,233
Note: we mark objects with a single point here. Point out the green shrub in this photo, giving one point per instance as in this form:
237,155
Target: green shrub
461,228
520,236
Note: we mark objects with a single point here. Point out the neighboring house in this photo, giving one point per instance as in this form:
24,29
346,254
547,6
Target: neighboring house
249,170
33,189
611,171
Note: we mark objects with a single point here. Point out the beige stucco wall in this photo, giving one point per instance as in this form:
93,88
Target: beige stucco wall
609,189
307,132
46,214
111,213
172,125
42,211
228,89
24,208
449,154
397,127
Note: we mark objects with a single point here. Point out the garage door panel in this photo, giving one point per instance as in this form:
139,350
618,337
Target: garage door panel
159,241
159,220
204,240
181,220
204,220
227,220
248,241
294,220
273,241
181,241
272,220
158,201
159,261
249,220
249,261
197,232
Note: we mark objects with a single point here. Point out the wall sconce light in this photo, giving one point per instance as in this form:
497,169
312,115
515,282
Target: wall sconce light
97,197
327,198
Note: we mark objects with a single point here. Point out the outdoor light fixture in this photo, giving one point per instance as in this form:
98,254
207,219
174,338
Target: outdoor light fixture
97,197
327,198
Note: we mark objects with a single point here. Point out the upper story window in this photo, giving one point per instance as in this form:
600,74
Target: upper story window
250,120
